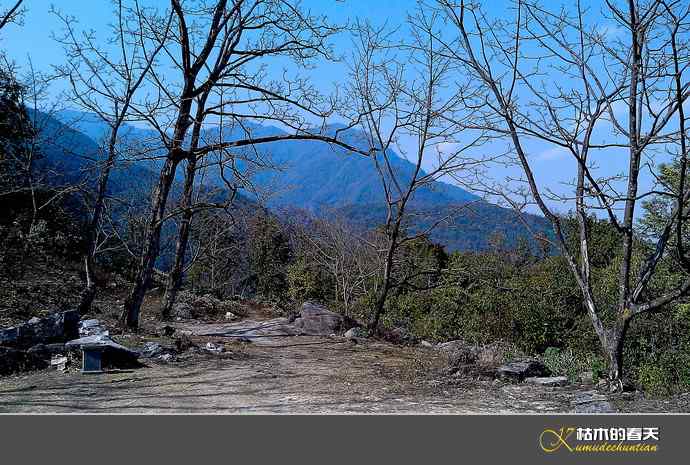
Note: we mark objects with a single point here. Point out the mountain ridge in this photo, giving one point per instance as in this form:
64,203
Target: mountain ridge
319,178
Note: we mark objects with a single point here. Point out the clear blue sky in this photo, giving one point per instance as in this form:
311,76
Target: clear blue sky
33,40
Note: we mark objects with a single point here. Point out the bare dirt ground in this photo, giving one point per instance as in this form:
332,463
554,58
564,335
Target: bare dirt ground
289,375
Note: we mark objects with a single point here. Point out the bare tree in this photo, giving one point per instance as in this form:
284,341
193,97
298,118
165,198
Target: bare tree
558,77
226,45
105,83
350,258
11,14
401,92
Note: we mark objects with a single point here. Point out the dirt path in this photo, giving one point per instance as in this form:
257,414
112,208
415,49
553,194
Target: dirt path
267,369
292,374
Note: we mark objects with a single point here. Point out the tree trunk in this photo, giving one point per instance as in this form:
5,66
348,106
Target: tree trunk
380,304
175,276
89,292
614,351
142,281
385,287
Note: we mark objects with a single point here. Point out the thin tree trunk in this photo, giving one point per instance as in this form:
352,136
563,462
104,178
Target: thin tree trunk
175,276
142,281
89,292
385,287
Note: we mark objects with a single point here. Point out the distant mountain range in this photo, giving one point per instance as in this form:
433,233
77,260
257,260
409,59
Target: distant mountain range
307,175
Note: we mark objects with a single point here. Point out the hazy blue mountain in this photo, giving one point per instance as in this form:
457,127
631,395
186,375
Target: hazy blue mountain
317,177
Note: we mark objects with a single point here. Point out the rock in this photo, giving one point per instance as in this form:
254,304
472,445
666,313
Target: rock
518,370
426,344
491,354
47,350
399,336
15,361
152,350
459,352
59,362
57,327
166,357
586,377
231,316
9,336
354,333
450,347
92,328
317,320
214,348
592,402
114,355
182,311
548,381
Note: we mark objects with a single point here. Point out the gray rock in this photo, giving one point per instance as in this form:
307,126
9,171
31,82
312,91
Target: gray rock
59,362
58,327
92,328
592,402
231,316
15,361
214,348
459,352
400,336
586,377
47,350
9,336
354,333
426,344
317,320
451,346
518,370
548,381
152,350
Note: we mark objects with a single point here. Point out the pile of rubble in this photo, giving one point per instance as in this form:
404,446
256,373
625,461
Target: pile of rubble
61,339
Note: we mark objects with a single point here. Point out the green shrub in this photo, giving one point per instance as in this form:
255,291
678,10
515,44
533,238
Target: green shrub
571,364
653,379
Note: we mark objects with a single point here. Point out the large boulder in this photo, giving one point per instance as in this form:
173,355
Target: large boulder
316,320
518,370
459,352
57,327
14,361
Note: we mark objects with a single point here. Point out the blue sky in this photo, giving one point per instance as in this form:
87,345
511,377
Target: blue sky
553,167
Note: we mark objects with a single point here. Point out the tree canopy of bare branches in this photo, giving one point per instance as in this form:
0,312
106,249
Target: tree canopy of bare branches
593,85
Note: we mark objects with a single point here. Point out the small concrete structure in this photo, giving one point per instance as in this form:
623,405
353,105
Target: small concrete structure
92,358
